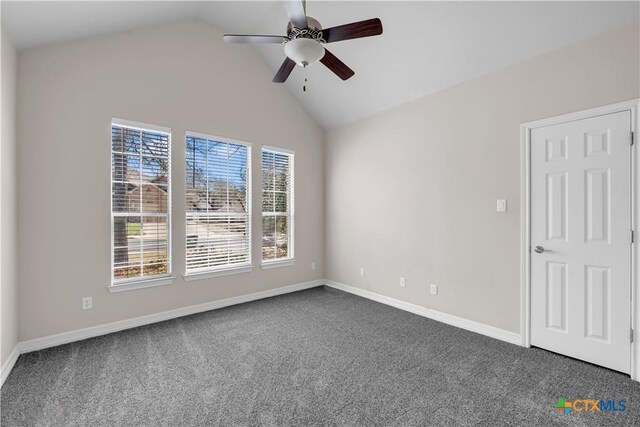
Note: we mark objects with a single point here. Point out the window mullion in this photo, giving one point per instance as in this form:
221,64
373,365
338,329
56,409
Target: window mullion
140,208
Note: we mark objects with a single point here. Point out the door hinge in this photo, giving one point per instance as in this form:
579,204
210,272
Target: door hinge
632,137
632,236
631,335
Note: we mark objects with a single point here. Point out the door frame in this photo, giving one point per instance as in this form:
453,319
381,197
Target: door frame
525,219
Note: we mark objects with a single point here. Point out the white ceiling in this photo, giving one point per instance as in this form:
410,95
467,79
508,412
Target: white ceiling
425,47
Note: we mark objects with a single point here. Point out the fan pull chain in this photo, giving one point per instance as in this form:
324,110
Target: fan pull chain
304,86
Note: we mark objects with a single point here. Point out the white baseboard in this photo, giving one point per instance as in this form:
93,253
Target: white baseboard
469,325
8,364
94,331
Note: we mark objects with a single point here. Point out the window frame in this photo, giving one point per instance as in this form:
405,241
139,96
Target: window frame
290,259
142,281
229,269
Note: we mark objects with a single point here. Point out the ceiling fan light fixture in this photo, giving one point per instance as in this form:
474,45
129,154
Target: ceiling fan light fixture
303,51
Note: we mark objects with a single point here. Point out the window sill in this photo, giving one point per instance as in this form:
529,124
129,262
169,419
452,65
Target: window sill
140,284
278,264
217,273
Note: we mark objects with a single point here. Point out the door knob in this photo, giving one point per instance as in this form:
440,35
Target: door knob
539,249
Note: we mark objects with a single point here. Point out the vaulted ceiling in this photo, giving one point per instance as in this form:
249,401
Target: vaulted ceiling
425,47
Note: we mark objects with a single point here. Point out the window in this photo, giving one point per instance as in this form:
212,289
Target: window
218,204
140,201
277,205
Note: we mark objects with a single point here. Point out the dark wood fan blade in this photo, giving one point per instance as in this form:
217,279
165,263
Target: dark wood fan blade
241,38
296,12
337,66
355,30
285,69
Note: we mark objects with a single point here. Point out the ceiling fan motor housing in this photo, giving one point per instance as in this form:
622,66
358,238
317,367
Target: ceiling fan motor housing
313,31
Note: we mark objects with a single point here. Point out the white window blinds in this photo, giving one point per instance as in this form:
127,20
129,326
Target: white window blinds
218,204
140,202
277,205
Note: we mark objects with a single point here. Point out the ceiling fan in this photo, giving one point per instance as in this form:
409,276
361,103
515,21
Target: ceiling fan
305,38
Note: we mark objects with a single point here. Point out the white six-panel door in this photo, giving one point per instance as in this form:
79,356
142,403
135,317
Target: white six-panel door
581,239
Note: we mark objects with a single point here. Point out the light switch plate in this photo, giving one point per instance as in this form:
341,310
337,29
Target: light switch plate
501,205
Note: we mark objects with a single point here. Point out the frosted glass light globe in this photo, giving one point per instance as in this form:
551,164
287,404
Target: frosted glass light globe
304,52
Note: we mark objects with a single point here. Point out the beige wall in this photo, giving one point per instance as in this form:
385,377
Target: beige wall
180,76
412,191
8,206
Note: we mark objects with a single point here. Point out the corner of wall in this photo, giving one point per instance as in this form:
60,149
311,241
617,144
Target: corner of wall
8,208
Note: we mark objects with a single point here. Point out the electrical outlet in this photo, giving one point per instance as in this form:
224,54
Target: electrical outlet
87,303
313,265
362,271
403,282
501,205
434,289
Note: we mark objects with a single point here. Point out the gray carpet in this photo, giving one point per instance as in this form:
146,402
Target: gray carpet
317,357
